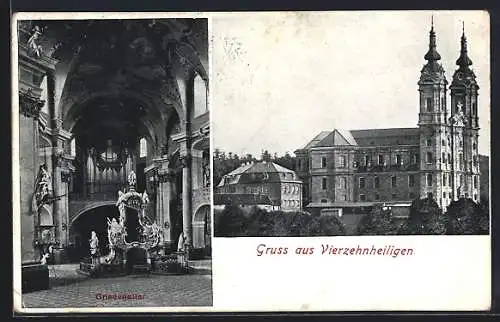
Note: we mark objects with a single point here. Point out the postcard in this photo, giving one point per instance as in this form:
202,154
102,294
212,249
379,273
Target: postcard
251,161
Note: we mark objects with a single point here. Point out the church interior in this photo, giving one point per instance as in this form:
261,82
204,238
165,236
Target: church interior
99,101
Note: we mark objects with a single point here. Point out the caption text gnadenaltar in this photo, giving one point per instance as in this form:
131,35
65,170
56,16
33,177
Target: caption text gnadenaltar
328,249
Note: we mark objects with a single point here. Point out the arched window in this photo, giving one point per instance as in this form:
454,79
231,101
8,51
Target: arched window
72,146
200,96
143,148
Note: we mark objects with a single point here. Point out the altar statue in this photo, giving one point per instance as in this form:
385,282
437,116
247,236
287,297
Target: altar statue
94,245
180,244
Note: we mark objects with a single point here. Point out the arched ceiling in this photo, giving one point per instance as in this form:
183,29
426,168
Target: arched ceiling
112,61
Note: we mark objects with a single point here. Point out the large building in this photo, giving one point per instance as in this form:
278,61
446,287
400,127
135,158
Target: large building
265,184
99,99
438,158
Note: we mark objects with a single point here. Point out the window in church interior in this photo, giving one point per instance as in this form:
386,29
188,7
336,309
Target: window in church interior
73,147
200,96
143,148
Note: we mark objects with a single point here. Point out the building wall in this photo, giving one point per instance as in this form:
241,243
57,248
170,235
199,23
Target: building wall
28,170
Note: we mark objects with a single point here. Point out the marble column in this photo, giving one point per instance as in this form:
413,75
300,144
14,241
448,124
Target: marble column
187,207
163,198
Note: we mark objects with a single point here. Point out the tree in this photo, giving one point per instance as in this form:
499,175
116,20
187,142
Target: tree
426,218
260,223
265,156
230,222
465,217
377,222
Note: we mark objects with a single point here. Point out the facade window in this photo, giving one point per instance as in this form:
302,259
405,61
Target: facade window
474,108
299,164
429,180
461,161
444,179
323,162
362,197
428,103
428,142
443,103
444,157
393,181
323,183
381,159
398,159
415,158
377,197
376,182
361,183
73,147
475,197
449,195
429,157
411,180
475,182
444,195
367,160
449,158
343,183
474,146
143,148
443,142
342,161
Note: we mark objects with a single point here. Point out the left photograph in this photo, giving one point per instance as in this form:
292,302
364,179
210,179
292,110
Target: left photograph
111,163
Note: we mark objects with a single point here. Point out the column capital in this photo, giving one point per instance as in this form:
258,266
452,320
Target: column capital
29,104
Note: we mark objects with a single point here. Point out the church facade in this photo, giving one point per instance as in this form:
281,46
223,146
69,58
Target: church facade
438,158
99,100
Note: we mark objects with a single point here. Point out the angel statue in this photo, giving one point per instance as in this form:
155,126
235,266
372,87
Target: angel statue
33,46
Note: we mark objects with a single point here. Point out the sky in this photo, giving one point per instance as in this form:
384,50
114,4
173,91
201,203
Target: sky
278,79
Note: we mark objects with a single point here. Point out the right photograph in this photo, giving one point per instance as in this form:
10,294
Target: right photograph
351,125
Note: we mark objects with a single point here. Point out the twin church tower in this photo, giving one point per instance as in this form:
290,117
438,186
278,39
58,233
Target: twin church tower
448,133
438,158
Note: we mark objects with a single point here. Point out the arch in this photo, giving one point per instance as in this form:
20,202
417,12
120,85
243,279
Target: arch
202,226
89,207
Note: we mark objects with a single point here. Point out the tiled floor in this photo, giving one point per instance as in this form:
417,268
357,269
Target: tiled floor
71,290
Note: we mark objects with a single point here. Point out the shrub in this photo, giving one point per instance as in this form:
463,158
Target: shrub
377,222
426,218
230,222
465,217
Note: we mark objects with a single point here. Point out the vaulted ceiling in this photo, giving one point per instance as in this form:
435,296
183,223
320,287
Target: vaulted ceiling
121,76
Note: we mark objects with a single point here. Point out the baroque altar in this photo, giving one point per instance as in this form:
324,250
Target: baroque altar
149,235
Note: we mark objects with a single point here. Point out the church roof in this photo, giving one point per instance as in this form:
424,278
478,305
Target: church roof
375,137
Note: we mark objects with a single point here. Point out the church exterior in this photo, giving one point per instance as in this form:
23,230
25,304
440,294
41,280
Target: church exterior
438,158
